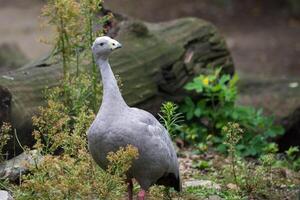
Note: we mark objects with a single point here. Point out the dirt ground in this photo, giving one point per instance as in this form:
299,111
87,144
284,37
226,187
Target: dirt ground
262,36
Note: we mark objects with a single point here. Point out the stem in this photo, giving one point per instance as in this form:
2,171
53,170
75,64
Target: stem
248,186
94,67
213,114
63,48
68,47
167,194
77,62
16,136
270,173
233,166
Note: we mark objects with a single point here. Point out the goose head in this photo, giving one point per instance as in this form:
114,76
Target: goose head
104,46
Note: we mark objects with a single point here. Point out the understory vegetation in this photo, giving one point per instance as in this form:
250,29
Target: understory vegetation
229,145
231,174
215,107
249,166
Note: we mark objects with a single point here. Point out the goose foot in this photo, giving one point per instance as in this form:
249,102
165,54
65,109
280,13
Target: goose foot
141,195
129,189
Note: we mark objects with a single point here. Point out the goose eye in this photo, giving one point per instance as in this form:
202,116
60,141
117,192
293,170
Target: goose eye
101,44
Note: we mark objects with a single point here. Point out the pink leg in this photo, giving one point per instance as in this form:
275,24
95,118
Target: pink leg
129,189
141,195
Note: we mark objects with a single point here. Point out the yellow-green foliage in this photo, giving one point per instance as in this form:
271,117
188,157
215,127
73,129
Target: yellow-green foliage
89,8
64,15
66,111
170,117
77,177
120,161
51,126
5,135
77,92
251,179
233,135
75,22
67,170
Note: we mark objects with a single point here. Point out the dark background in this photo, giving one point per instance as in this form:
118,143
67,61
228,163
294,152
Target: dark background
263,36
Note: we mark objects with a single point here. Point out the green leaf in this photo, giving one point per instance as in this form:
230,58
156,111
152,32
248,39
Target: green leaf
216,88
225,78
233,80
291,151
196,85
198,112
222,148
202,164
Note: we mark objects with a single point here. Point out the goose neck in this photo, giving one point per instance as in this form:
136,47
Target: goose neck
112,97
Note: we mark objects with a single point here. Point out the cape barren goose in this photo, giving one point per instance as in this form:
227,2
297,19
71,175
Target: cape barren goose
117,125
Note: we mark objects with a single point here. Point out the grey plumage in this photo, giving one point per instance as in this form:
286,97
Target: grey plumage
117,125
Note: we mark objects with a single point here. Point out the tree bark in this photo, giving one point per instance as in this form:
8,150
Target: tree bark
11,57
156,61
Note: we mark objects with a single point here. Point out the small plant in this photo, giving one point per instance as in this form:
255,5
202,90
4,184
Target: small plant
271,148
67,170
233,134
255,180
217,91
75,22
64,15
62,123
292,153
5,135
120,161
292,159
240,170
69,177
202,165
207,193
170,117
215,107
289,160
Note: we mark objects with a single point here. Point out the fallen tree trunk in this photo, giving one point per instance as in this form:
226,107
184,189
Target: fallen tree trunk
11,57
156,62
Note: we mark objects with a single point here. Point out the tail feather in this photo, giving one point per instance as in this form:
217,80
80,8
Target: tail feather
170,180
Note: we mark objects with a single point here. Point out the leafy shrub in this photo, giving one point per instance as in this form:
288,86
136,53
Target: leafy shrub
215,107
77,177
66,115
74,22
76,93
67,170
290,159
120,161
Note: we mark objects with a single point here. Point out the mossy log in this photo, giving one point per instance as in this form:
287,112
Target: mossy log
11,57
156,61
